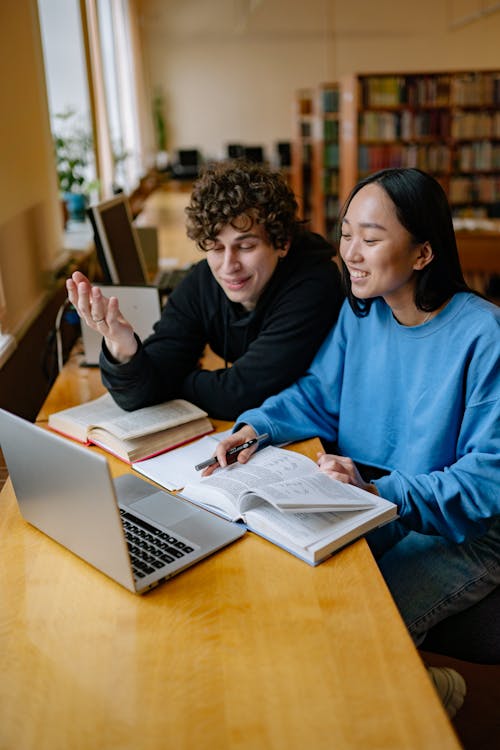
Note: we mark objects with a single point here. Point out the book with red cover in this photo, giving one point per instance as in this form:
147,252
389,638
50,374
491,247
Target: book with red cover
132,435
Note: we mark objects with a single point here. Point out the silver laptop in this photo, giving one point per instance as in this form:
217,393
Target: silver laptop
134,533
140,305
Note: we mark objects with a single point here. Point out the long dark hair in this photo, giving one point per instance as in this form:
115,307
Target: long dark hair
422,208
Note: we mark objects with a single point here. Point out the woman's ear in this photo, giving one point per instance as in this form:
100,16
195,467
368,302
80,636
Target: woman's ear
424,257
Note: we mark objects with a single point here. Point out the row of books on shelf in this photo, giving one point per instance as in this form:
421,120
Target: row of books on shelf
444,90
405,125
394,91
330,100
331,130
305,104
480,155
436,158
476,89
306,152
305,129
470,211
468,125
331,182
331,155
332,209
474,189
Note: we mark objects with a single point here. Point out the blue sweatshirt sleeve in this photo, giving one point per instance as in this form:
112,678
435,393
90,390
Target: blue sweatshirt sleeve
460,500
309,407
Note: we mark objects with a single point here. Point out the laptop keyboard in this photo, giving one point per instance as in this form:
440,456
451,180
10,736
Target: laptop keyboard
150,549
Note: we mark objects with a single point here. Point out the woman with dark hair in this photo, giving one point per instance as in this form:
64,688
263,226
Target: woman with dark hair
405,391
422,209
263,299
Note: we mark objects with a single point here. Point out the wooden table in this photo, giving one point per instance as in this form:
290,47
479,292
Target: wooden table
164,210
251,648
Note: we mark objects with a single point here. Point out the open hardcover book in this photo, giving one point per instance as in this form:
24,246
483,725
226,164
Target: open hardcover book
284,497
132,435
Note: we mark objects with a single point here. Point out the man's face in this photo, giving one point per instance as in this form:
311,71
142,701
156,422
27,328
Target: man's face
243,261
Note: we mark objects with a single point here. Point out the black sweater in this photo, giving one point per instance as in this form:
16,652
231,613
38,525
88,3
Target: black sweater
269,347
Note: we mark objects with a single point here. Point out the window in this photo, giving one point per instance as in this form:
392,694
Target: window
119,68
65,70
46,38
101,89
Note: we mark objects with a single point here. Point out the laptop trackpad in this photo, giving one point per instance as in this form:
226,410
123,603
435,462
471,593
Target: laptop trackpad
143,498
163,509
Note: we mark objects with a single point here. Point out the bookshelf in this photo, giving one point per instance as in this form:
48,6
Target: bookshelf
315,155
446,123
326,160
302,151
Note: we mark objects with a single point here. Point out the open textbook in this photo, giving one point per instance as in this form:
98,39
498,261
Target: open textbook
176,469
132,435
282,496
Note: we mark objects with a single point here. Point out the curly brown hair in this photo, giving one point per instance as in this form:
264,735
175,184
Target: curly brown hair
239,193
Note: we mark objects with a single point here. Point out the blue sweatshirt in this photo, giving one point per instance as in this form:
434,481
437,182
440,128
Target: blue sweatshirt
421,403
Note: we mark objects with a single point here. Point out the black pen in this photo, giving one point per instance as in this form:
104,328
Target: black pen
232,453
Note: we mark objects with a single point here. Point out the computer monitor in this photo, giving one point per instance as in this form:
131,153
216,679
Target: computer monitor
188,163
235,150
117,243
189,157
284,154
254,153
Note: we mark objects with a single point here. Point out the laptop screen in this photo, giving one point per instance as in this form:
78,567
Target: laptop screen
117,243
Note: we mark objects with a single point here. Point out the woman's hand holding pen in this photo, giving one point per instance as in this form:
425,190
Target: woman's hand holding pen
103,315
232,441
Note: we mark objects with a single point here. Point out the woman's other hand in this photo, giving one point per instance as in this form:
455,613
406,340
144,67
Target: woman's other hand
344,470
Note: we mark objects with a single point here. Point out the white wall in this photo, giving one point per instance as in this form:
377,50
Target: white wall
394,35
231,77
229,73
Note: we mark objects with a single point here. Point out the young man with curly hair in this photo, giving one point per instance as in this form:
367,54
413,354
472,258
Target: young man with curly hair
263,300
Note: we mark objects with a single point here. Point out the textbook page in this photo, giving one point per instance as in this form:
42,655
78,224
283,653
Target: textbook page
288,480
75,421
175,469
102,412
129,425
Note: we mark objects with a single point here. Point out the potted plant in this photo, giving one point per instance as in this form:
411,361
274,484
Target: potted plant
74,155
160,127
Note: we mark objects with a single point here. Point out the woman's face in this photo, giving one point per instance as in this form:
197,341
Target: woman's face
378,251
